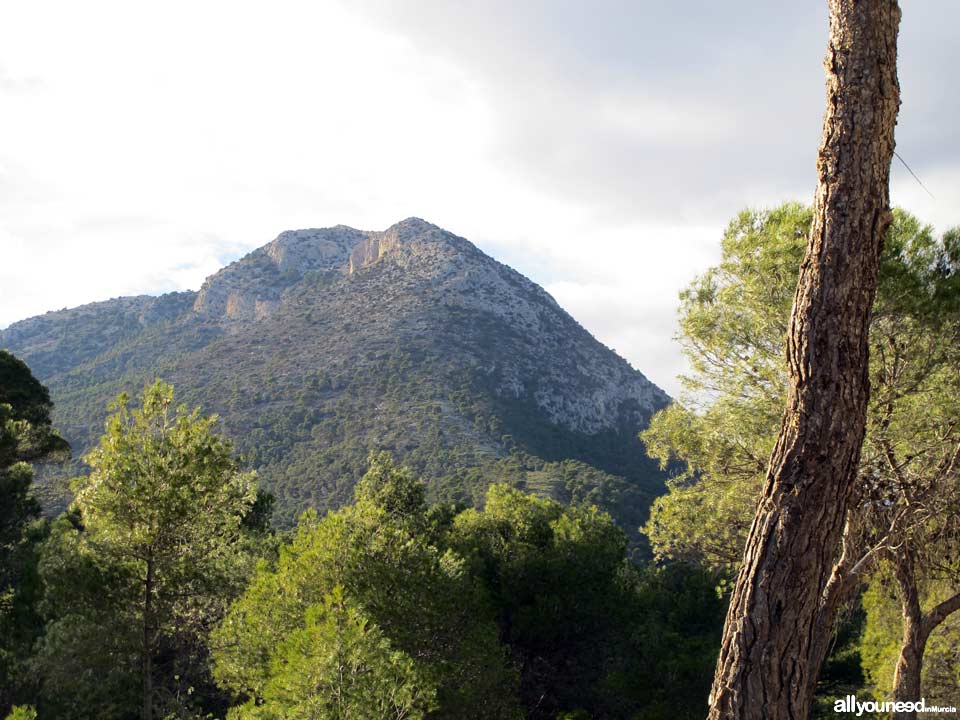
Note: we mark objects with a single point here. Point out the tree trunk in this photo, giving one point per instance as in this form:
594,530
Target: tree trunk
148,644
770,655
917,627
906,677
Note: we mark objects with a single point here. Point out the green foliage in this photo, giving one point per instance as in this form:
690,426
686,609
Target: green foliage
419,597
89,658
339,666
705,516
733,322
28,400
26,436
392,489
22,712
882,634
164,487
672,642
571,482
733,326
389,607
842,673
144,563
550,581
588,630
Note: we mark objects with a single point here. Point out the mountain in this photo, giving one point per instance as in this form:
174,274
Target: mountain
326,344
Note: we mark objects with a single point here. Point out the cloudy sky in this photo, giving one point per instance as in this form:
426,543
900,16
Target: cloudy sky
597,147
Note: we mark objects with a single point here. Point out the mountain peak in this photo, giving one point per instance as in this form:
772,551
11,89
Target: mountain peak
414,224
342,247
327,343
419,270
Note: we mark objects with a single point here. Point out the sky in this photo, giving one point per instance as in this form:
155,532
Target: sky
598,147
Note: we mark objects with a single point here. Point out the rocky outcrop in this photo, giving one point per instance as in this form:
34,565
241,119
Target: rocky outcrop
326,343
302,251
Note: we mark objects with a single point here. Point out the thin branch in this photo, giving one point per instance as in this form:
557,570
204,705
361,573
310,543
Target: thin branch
940,613
913,173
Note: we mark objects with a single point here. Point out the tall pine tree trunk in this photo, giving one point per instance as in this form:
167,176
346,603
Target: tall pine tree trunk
148,643
771,653
906,677
917,627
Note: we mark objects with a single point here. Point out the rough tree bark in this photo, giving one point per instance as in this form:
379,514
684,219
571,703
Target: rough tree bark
906,677
148,643
917,627
771,652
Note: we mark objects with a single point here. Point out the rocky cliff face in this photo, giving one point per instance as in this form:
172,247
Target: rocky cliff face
325,344
251,289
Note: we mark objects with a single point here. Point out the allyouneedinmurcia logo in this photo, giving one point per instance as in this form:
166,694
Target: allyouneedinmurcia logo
850,704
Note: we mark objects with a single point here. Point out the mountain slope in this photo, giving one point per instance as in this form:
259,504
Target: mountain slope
326,344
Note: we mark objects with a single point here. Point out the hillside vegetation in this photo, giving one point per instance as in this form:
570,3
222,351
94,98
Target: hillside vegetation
325,345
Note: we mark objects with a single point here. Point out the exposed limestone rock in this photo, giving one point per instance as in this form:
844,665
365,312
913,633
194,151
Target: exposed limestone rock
326,343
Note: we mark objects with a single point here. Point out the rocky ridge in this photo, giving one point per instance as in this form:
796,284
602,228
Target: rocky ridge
459,276
327,343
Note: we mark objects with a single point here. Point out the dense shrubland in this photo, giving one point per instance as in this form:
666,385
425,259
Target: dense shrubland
162,593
